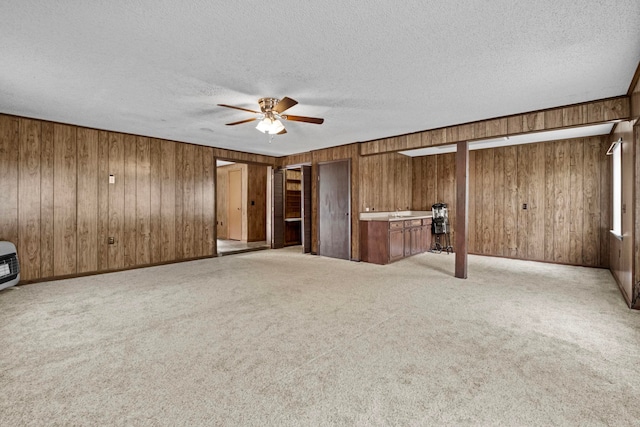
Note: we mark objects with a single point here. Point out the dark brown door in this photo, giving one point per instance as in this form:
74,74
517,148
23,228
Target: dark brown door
306,209
277,209
334,210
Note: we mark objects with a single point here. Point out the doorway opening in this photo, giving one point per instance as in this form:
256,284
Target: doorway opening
291,207
241,207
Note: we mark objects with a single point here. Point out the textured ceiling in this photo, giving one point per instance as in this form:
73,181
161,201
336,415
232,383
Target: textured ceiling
372,69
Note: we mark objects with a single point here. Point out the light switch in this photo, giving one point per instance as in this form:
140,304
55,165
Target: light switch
112,179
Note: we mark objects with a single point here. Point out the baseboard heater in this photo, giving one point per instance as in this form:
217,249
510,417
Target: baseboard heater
9,265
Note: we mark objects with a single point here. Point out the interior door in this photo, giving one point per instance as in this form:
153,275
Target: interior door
306,209
235,205
277,209
334,209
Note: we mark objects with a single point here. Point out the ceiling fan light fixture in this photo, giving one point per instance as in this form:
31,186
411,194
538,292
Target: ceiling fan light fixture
270,115
276,127
270,126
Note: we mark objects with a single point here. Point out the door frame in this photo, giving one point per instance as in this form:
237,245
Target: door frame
350,212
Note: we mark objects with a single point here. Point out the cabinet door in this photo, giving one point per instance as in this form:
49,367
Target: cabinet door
426,238
416,240
396,244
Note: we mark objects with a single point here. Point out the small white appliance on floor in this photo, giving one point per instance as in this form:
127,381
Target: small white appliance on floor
9,266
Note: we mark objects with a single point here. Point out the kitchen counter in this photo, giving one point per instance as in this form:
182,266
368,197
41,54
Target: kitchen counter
389,236
394,216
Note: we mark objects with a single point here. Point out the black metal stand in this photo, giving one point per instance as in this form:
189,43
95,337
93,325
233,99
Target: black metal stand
439,245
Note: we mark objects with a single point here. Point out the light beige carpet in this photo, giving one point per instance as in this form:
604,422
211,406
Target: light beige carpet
284,339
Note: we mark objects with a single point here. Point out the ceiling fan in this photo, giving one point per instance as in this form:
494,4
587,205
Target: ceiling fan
270,114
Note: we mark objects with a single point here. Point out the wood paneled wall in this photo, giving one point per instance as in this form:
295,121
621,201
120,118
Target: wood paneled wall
385,182
554,118
565,185
433,181
60,209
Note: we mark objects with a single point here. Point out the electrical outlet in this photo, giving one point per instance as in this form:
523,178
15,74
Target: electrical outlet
112,240
524,206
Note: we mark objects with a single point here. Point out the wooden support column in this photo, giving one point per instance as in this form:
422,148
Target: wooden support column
462,206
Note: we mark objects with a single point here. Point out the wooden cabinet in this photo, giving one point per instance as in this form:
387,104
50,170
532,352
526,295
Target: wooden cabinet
396,244
382,242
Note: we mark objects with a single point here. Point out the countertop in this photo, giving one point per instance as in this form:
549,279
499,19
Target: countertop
394,216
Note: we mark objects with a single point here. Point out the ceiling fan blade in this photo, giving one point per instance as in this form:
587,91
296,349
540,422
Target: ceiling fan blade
239,108
284,104
314,120
242,121
282,132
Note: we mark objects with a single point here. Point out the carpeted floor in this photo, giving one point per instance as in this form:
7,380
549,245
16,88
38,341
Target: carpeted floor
284,339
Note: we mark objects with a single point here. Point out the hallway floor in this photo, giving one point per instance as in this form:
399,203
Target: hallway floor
230,247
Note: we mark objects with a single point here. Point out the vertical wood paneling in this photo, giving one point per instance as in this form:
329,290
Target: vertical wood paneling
168,208
9,160
87,179
498,202
198,202
155,221
605,203
478,200
417,192
533,121
535,199
510,201
46,201
103,200
60,210
447,192
550,204
143,201
496,127
29,199
591,200
562,196
385,183
524,170
129,232
560,181
574,115
64,209
514,124
116,200
488,200
179,202
209,206
576,209
472,214
553,119
595,112
431,186
189,202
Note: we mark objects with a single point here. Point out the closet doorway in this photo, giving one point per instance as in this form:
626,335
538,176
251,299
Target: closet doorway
291,210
